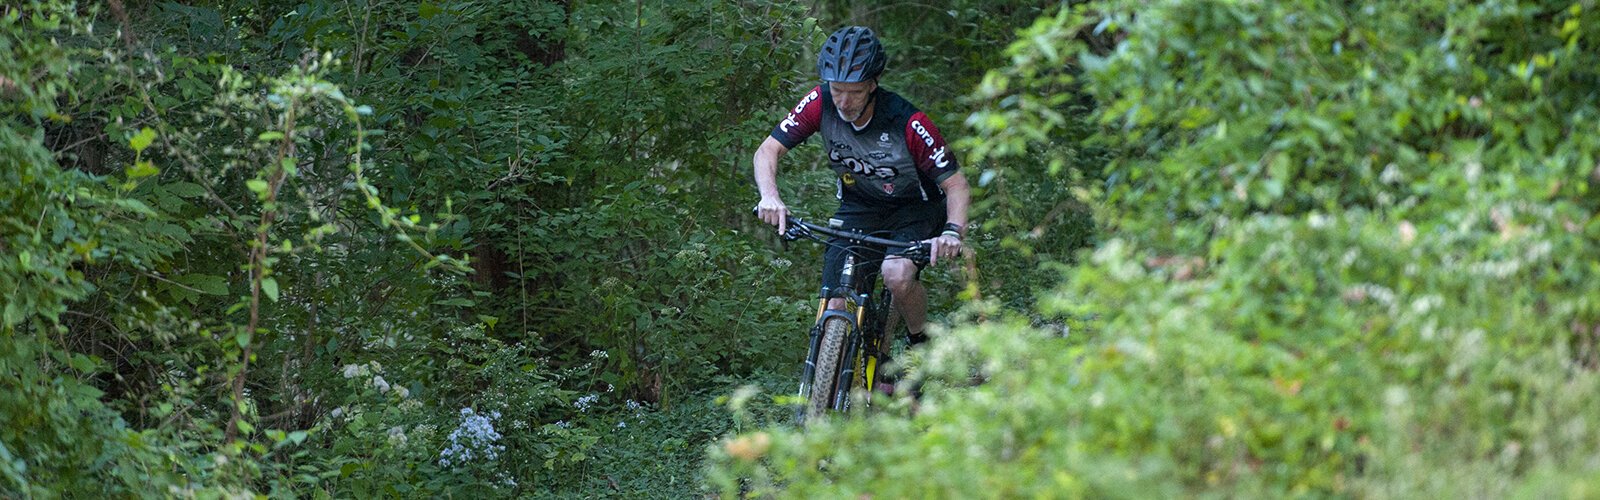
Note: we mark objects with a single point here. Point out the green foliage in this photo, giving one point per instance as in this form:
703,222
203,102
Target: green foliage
53,222
1317,356
1346,256
390,433
456,249
671,299
1292,109
215,211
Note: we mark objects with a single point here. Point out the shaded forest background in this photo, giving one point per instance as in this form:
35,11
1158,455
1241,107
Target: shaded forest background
350,248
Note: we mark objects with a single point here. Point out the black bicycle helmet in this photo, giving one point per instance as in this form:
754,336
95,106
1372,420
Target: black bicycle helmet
851,55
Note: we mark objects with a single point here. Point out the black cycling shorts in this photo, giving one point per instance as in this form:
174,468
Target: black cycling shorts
911,222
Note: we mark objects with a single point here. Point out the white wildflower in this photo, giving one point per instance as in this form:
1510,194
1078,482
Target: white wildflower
424,431
585,402
474,439
402,391
353,371
380,383
599,354
397,437
695,253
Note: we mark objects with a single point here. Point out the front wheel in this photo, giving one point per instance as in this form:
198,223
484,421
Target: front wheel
829,353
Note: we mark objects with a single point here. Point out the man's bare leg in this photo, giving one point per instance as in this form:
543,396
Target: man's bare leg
910,302
910,298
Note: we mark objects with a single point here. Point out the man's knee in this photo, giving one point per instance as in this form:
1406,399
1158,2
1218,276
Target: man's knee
899,273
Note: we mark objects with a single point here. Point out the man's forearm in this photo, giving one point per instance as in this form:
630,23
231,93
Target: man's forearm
958,197
766,177
766,168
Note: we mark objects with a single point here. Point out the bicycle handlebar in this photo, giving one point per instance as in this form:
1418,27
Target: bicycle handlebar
917,251
796,223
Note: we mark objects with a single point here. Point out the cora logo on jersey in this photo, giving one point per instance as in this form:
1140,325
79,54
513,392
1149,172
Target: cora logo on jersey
938,153
861,167
927,138
792,120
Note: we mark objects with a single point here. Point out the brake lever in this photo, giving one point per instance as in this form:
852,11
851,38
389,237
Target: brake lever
796,232
920,254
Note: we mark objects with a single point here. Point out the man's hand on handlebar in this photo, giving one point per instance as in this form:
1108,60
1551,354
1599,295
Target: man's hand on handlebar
773,211
944,246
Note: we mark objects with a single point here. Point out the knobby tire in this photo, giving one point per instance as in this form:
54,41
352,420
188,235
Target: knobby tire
829,352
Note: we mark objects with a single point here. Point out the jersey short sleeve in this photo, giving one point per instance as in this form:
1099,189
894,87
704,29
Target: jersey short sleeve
803,120
928,149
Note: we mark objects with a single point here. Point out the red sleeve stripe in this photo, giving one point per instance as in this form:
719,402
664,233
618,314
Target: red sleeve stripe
927,146
805,119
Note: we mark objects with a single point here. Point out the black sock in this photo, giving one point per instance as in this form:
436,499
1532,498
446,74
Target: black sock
917,338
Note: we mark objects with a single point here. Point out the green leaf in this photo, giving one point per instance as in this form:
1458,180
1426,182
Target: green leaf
205,283
142,140
270,135
258,186
186,189
12,314
82,363
458,301
490,321
26,259
270,287
142,169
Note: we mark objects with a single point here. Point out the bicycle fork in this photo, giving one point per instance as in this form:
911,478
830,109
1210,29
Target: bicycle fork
809,369
847,363
846,373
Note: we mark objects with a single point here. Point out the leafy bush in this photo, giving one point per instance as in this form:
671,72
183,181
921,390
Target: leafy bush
1316,355
1345,255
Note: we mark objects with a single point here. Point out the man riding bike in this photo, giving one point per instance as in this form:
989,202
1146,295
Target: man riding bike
896,174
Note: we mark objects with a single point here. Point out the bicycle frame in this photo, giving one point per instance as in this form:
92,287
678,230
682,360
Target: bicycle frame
860,362
866,310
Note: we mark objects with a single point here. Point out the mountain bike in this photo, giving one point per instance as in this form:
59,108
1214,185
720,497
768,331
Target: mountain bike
848,345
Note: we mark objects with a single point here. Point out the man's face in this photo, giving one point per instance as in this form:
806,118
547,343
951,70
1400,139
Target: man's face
851,98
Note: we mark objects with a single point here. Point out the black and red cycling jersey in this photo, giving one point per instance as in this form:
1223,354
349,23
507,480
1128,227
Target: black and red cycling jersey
898,158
